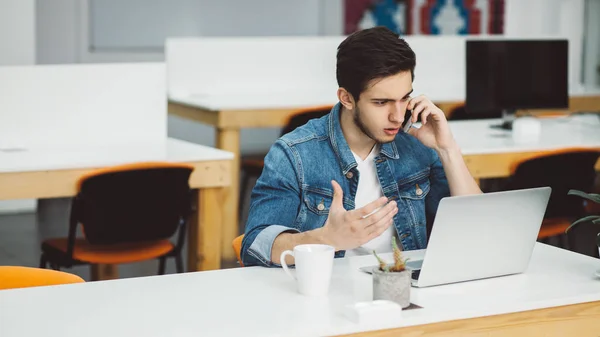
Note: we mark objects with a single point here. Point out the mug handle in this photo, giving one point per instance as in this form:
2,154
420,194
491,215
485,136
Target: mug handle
284,265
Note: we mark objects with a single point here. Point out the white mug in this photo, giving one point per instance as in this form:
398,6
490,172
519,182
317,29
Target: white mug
314,264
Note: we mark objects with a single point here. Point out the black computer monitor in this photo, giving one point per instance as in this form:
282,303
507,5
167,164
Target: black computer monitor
507,75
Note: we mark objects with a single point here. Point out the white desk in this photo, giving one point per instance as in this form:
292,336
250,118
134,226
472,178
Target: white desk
53,172
489,152
259,301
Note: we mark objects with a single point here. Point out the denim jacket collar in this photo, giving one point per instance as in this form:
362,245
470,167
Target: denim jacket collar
340,146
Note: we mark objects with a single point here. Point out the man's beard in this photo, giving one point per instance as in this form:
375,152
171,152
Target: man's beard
363,128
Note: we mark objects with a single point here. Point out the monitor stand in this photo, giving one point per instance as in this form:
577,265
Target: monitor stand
508,116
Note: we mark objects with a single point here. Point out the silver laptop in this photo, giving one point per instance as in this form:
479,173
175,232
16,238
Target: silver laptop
481,236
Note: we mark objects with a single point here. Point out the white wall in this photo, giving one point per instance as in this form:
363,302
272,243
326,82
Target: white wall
17,32
18,41
563,18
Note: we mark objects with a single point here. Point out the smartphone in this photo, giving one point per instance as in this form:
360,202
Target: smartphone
407,123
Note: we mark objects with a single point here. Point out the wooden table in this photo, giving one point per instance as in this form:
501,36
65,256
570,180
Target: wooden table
230,113
558,295
53,172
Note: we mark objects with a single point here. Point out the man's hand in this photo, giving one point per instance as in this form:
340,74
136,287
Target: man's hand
350,229
434,132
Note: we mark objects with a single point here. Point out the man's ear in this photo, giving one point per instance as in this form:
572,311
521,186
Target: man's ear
346,98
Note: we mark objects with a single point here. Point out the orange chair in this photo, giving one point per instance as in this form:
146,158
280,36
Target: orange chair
128,214
562,170
252,165
237,248
12,277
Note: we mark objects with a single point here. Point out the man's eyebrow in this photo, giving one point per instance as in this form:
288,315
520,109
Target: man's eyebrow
410,92
383,99
391,99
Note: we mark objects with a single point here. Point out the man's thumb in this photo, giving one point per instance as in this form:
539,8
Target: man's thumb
338,195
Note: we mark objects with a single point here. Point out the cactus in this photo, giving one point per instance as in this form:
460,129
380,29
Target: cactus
399,262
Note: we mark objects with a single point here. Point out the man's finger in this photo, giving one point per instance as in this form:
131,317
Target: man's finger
424,116
418,111
368,209
414,102
391,207
377,230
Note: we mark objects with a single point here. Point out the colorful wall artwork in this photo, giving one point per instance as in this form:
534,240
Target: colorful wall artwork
426,17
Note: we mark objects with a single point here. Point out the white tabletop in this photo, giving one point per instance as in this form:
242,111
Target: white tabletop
259,301
52,158
478,137
258,101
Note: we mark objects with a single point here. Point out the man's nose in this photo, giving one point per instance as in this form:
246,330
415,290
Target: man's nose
397,113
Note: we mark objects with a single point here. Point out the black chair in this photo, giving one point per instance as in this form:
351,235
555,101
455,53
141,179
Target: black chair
128,214
252,165
561,170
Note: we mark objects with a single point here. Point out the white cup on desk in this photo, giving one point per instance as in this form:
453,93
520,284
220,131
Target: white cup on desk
313,263
526,130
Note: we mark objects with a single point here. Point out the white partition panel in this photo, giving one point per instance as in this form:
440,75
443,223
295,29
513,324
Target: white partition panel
82,105
218,66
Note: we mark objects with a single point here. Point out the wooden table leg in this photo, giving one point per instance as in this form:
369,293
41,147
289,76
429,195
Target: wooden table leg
204,235
100,272
229,140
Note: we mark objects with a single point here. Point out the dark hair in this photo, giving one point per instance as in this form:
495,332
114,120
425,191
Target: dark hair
371,54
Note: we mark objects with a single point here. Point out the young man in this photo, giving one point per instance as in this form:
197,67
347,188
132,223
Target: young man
353,179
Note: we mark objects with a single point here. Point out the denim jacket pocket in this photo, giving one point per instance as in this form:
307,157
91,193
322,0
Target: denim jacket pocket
415,187
318,202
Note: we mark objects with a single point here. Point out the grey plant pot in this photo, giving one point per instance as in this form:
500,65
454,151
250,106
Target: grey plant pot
392,286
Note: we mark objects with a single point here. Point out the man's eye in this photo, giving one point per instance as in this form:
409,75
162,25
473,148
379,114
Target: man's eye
379,103
405,98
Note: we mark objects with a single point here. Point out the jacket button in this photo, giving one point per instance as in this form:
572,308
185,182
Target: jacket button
349,175
320,207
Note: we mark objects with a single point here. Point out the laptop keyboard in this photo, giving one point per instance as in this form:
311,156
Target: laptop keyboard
414,264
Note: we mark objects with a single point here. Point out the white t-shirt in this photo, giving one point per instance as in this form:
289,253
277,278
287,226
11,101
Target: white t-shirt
369,189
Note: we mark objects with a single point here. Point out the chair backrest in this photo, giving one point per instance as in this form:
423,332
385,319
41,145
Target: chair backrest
302,117
237,248
561,170
12,277
133,203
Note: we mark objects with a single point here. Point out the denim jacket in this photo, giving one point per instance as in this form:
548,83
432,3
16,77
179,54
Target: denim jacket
294,191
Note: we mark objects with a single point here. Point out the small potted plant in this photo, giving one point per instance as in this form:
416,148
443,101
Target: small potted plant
392,282
595,219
